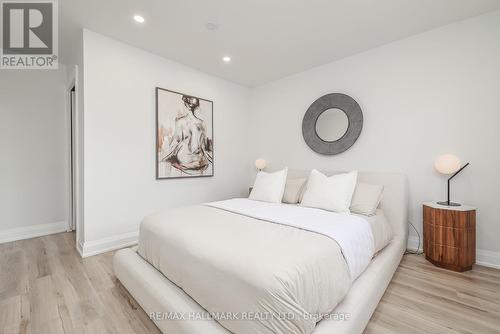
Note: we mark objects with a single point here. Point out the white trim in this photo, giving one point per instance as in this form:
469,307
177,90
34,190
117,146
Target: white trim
69,176
32,231
483,257
488,258
79,247
95,247
75,81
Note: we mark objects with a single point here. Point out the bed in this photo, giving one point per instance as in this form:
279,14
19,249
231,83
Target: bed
178,273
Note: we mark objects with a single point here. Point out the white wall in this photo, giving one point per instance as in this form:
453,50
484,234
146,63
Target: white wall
32,152
119,135
422,96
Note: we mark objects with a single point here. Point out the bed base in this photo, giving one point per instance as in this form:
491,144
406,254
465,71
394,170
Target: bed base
155,293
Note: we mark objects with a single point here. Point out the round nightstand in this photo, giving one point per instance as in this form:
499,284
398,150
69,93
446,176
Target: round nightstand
450,236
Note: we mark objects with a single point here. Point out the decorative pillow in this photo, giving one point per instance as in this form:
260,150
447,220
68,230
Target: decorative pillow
269,187
366,198
332,193
293,190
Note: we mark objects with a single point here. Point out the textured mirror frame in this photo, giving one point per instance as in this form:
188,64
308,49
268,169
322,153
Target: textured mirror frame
335,100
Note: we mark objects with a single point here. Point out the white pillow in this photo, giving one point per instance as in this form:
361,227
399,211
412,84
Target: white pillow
294,189
366,198
269,187
332,193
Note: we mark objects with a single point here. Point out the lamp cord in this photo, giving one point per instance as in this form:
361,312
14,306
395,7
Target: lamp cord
416,252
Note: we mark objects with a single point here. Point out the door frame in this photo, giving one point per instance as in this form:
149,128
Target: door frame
74,208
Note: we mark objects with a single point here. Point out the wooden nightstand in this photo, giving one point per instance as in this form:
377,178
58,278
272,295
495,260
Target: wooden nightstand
450,236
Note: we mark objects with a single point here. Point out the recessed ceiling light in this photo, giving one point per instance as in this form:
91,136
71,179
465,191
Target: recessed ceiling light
226,59
139,19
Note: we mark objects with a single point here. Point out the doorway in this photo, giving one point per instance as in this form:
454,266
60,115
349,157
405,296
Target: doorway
74,219
72,159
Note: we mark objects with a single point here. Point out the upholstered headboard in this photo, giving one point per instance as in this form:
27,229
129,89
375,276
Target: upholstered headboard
394,198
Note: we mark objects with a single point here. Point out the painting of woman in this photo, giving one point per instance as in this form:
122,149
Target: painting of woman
185,143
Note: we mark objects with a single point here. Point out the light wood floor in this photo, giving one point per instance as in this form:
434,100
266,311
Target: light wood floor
46,288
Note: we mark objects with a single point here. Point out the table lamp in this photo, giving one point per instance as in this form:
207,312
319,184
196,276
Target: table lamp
449,164
260,164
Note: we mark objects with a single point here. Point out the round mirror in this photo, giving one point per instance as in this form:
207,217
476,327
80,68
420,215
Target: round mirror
332,124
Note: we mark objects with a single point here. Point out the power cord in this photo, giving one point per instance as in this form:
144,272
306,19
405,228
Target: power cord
416,252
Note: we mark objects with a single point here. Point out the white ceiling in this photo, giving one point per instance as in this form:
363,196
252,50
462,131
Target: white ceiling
267,39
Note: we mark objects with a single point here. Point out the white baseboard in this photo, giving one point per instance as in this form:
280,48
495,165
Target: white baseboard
33,231
488,258
79,247
483,257
104,245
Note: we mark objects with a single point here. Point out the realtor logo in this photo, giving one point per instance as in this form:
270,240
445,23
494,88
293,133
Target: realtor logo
29,34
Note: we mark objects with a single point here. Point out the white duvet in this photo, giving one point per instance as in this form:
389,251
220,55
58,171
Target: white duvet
275,268
352,233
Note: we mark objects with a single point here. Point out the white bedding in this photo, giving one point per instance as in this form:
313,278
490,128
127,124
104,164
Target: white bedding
381,229
284,263
352,232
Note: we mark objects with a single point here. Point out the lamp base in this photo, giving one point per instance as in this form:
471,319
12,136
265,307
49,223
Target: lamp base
446,203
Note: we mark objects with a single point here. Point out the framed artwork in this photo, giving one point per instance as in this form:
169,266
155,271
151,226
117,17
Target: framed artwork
184,135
